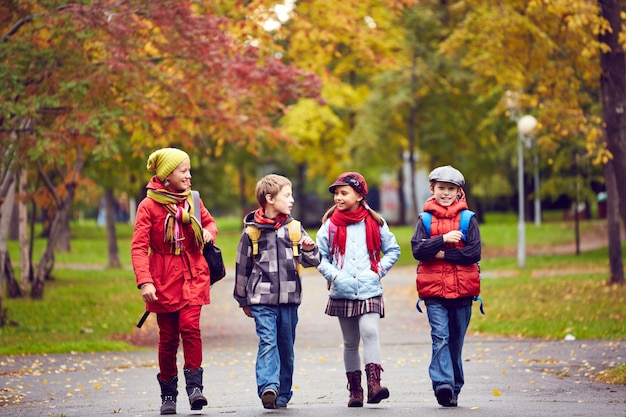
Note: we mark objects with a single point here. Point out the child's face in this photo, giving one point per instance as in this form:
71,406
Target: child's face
180,179
444,192
281,203
346,198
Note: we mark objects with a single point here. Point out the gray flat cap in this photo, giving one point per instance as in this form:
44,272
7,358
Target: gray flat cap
447,174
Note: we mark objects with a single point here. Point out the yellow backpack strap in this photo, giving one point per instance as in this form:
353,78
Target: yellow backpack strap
254,233
295,234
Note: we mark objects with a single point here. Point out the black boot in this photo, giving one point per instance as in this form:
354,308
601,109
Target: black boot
194,389
169,392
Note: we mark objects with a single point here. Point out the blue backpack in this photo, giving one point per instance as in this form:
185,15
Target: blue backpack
464,222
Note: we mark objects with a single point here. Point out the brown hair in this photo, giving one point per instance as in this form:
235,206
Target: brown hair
270,184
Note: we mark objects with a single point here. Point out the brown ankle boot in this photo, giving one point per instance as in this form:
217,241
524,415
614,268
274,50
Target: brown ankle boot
356,391
375,393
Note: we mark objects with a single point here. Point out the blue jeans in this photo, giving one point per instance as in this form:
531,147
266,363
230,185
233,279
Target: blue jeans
276,328
448,326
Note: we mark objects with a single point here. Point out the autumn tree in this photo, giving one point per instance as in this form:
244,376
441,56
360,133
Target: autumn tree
81,80
613,80
346,43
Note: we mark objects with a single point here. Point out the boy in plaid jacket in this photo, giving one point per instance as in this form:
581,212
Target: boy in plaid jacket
268,286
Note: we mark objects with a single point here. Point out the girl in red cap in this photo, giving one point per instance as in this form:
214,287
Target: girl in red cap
351,240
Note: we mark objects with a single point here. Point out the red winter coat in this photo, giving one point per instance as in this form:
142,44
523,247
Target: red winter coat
179,280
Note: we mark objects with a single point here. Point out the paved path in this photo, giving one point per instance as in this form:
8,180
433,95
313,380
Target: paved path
504,377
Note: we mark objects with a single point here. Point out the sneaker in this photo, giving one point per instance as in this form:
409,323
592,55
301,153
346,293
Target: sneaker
268,398
445,397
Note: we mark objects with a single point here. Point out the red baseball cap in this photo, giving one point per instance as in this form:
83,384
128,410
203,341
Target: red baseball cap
353,179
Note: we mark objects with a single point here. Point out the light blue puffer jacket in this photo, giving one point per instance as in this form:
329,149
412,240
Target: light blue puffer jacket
356,280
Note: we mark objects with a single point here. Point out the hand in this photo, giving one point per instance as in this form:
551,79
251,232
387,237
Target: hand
453,236
246,311
148,292
208,237
440,255
307,243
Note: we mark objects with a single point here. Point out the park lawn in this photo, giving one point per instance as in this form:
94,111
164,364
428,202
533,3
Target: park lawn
552,306
82,311
88,309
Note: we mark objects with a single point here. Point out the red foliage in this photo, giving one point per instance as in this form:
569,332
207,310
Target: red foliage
178,66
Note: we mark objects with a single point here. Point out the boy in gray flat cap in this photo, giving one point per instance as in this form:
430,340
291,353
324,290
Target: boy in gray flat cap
446,242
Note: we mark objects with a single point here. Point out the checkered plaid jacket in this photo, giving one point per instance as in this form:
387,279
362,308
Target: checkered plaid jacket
271,277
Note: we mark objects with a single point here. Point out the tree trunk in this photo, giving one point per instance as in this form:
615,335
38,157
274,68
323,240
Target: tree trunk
299,194
401,196
6,213
412,121
25,248
114,253
65,236
59,223
13,287
612,214
613,81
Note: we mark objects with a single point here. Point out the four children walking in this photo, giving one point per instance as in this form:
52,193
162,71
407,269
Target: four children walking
353,251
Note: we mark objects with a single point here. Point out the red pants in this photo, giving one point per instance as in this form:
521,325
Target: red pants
185,325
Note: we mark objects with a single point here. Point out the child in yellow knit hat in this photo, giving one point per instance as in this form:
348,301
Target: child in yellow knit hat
171,272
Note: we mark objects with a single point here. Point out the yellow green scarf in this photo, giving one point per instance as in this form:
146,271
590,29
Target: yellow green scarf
177,216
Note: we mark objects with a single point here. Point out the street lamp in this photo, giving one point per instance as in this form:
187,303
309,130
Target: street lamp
525,126
536,182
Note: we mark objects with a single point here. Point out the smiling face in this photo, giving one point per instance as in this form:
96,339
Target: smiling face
444,192
179,180
281,203
346,198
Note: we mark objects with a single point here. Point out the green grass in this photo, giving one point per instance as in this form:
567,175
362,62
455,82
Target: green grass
89,310
81,311
553,306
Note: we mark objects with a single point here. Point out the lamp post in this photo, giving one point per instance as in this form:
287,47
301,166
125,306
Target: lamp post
537,197
525,125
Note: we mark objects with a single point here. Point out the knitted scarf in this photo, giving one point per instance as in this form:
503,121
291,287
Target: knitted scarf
372,234
177,216
259,217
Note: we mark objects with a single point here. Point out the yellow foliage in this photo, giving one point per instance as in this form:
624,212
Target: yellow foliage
548,49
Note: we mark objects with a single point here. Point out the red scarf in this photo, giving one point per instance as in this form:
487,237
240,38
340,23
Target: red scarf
372,234
259,217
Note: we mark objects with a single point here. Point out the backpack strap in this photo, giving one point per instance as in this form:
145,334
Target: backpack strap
332,231
295,234
196,206
426,219
254,233
464,221
466,215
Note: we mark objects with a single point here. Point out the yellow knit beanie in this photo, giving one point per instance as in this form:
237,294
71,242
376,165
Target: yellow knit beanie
165,160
